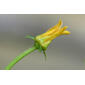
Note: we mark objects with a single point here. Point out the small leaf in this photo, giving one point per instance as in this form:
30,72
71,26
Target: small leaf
31,37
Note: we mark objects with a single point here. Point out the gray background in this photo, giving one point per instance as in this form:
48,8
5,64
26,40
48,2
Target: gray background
65,52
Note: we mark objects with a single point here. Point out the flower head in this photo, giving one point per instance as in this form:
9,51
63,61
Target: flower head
45,39
42,41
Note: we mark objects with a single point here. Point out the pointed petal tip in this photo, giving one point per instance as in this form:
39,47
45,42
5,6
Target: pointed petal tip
66,32
60,22
63,29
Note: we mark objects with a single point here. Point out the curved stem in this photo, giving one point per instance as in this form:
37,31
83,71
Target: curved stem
18,58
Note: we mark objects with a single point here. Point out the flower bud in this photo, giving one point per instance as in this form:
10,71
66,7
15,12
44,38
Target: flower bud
45,39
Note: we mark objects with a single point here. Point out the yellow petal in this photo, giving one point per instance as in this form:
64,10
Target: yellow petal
66,32
56,27
63,29
53,29
53,36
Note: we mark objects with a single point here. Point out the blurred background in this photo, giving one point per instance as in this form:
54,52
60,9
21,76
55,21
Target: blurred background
64,53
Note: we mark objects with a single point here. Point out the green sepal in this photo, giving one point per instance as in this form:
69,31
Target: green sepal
45,55
30,37
39,47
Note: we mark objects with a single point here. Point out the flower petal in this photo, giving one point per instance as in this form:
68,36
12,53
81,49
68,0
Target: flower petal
66,32
53,29
63,29
56,27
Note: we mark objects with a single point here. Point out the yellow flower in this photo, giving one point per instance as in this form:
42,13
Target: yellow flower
45,39
42,41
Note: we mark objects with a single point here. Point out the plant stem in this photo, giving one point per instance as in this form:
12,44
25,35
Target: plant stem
18,58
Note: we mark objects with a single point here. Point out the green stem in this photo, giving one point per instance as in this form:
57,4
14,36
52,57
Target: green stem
18,58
